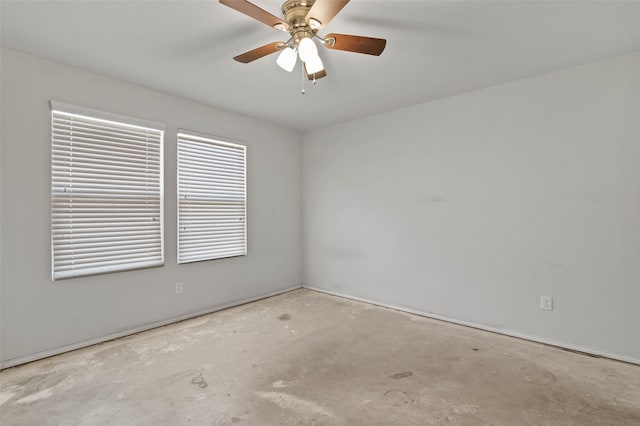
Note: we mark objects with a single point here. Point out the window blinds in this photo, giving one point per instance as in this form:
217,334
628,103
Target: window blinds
107,192
211,198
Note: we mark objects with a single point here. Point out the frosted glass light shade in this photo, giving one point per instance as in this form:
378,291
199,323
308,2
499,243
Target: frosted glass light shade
287,59
314,65
307,49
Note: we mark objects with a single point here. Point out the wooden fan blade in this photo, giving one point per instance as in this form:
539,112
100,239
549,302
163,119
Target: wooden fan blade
317,75
324,11
253,11
258,53
358,44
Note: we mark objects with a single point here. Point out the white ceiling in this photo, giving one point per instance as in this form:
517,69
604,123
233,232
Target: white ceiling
434,49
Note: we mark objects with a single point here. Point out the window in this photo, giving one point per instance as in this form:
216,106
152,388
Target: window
211,198
106,192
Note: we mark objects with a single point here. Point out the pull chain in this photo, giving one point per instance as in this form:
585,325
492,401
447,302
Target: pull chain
302,91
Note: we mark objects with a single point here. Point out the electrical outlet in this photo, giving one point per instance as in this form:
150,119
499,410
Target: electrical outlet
179,287
334,269
546,303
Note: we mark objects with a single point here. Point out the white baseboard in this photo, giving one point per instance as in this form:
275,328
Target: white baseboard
56,351
537,339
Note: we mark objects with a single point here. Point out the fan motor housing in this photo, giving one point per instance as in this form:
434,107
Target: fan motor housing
295,14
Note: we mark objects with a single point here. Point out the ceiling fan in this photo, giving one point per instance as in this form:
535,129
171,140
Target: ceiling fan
302,19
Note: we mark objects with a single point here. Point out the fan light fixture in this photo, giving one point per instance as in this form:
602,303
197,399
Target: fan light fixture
308,53
287,59
307,50
314,65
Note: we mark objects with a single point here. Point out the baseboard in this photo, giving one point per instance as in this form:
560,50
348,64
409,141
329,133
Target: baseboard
537,339
67,348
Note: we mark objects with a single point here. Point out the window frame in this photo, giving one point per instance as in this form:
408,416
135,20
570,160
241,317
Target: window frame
223,142
116,121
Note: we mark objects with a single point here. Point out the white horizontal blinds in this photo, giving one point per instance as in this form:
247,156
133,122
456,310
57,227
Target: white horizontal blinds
106,185
211,199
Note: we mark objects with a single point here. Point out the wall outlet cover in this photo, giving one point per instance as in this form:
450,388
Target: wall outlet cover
546,303
179,288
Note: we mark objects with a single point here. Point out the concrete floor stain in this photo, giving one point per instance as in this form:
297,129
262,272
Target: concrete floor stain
403,375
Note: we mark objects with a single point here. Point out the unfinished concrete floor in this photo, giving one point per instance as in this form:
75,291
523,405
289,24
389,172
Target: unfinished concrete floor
305,358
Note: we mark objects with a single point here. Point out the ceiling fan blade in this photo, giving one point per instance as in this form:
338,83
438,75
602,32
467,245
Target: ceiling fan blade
253,11
258,53
324,11
358,44
317,75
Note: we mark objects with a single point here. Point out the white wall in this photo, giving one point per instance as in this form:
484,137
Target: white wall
472,207
38,314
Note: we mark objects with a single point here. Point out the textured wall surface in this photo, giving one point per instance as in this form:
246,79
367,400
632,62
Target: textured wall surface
38,314
472,207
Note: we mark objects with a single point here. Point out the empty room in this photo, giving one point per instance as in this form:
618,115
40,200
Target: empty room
319,212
